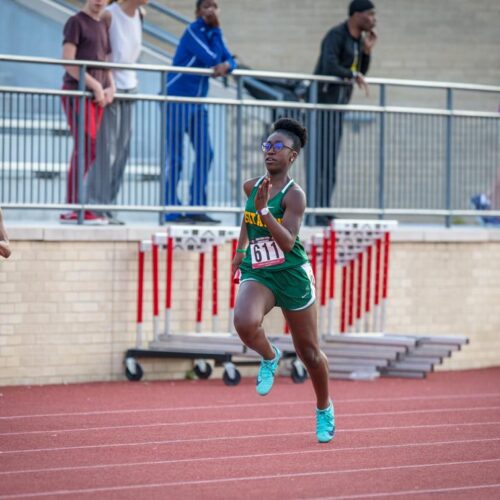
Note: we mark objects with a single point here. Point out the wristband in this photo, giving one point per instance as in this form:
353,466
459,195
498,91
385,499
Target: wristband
264,211
241,250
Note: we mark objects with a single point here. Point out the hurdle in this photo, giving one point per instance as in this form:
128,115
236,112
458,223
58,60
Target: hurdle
216,345
352,246
360,347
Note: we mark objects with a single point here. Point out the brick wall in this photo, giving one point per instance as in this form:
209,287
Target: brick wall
68,300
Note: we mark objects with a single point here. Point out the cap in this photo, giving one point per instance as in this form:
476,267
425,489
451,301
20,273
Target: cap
360,6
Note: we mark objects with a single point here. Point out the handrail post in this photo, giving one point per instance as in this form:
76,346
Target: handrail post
81,142
239,146
381,153
449,154
312,150
163,147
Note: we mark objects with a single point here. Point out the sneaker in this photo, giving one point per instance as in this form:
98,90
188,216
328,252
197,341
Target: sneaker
325,424
265,377
93,219
177,218
482,202
491,221
89,218
113,220
68,218
202,219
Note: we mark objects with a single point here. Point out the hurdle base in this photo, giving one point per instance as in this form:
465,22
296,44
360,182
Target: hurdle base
231,376
218,357
391,355
203,342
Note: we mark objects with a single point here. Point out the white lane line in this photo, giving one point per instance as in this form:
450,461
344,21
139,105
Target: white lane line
229,421
412,492
251,405
188,440
247,456
172,484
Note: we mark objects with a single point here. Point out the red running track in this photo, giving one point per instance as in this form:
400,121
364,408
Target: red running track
433,438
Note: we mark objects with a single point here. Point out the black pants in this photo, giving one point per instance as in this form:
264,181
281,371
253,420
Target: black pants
329,135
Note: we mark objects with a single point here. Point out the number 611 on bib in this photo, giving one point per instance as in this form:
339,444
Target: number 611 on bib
265,252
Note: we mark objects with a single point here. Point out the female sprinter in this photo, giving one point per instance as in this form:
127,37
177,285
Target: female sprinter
275,270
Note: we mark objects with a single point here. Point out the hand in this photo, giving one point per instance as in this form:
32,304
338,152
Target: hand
263,194
109,95
221,69
369,41
361,83
99,97
5,249
212,18
235,265
4,240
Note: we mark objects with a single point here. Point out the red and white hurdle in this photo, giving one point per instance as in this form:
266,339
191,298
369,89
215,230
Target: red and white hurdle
185,238
215,344
361,249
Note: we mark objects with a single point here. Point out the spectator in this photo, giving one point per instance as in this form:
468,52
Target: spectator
4,239
104,180
86,38
489,201
201,46
345,53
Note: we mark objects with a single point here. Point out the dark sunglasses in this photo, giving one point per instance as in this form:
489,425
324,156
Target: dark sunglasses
277,146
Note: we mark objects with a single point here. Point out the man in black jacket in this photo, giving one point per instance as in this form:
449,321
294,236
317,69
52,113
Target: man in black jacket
345,53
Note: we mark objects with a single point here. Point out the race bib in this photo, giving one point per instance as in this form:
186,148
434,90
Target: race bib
265,252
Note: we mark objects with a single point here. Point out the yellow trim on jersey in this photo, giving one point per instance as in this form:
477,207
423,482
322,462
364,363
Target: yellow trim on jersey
256,220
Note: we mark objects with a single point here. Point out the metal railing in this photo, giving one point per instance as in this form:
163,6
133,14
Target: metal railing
412,163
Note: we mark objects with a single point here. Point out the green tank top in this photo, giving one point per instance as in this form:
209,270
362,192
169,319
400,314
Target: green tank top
268,255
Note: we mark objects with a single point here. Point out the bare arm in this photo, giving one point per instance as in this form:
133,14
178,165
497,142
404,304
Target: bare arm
4,239
109,92
69,52
242,244
243,238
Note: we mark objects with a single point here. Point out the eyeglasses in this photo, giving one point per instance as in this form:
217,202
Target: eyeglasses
277,146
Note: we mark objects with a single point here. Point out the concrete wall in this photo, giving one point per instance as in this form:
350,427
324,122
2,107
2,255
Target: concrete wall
427,39
437,40
68,300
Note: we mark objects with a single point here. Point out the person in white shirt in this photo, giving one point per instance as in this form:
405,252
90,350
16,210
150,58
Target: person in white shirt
113,142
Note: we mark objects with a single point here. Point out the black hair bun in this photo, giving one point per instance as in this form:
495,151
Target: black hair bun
294,127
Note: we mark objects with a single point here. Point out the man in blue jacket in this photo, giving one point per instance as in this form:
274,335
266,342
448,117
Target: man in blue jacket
201,46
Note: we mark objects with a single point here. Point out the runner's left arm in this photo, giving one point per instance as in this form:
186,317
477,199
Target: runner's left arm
242,244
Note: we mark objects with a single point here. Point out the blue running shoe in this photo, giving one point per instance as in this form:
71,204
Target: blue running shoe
265,377
325,424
